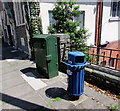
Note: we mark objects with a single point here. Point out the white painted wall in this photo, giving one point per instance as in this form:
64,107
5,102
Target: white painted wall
44,8
90,14
109,28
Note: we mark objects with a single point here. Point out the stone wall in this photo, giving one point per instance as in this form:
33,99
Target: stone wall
64,45
103,80
22,39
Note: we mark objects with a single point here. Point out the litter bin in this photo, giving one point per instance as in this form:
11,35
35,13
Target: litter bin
46,54
76,63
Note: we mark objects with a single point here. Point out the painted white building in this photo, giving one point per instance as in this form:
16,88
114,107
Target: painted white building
110,23
109,30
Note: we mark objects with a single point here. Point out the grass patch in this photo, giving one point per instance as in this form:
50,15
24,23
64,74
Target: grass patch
113,107
54,100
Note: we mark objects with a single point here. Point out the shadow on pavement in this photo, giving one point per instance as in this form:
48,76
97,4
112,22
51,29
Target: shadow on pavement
9,52
57,92
60,92
33,71
29,69
22,103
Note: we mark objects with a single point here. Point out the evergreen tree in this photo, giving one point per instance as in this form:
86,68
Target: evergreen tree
63,14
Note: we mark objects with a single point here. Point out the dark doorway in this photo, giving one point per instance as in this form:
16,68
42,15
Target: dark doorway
10,35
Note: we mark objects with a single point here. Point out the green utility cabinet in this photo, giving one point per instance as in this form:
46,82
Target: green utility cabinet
46,54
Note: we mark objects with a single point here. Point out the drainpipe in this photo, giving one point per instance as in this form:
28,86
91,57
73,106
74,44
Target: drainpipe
98,28
29,32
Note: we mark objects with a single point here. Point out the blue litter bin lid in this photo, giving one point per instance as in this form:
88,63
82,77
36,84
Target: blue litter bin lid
76,53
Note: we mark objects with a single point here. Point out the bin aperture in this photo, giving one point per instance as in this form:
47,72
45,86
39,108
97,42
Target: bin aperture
79,59
76,63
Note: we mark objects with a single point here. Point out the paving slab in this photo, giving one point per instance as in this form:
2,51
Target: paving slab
60,77
16,91
80,100
0,78
89,104
99,97
0,71
16,66
0,86
64,104
0,108
7,70
10,83
29,100
52,80
10,75
4,64
33,81
35,99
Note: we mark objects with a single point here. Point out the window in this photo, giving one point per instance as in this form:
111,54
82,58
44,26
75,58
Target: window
115,9
81,18
19,13
51,19
111,63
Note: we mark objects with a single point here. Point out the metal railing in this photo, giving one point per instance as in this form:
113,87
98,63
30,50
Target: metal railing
108,58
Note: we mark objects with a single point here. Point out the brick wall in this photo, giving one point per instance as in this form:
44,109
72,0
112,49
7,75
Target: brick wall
105,61
114,54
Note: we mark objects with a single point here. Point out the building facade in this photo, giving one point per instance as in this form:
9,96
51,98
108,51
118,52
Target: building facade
14,25
110,19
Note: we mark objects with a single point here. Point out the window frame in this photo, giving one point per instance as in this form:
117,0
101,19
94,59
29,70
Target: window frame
21,21
81,11
116,16
51,24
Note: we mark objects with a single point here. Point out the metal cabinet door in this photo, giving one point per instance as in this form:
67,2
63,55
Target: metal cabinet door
52,56
40,56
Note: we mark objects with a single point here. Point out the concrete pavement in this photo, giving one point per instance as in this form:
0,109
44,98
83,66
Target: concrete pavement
22,89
